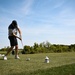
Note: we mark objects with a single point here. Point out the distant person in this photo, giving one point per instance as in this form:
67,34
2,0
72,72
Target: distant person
12,35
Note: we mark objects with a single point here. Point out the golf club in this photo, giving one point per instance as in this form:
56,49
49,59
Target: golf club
22,46
22,43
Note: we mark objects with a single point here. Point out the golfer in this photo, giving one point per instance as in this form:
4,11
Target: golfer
12,35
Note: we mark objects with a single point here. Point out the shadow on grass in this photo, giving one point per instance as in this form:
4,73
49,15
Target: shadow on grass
62,70
1,59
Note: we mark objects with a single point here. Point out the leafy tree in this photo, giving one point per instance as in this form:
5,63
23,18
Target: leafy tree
26,49
5,48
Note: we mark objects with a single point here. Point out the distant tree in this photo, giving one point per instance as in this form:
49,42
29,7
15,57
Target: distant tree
52,48
5,48
47,44
26,49
32,51
35,46
47,47
72,47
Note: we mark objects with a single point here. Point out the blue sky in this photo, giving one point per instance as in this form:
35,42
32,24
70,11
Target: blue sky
39,21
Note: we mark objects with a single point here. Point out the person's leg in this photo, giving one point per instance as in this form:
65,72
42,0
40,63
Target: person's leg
11,39
16,52
5,57
10,49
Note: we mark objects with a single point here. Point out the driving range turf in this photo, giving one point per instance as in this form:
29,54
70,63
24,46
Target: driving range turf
60,64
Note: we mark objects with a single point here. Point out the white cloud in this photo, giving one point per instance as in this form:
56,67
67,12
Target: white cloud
59,3
27,5
20,11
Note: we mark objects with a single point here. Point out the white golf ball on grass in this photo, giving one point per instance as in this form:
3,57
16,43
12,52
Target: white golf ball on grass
28,59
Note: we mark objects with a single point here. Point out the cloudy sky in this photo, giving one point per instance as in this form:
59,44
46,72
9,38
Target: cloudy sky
39,21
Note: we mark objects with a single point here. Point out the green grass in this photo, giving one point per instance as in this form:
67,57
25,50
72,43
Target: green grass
60,64
2,52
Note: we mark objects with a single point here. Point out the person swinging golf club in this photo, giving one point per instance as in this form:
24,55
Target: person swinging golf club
12,35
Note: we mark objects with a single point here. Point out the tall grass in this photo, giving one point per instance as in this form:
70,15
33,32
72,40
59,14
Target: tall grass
36,65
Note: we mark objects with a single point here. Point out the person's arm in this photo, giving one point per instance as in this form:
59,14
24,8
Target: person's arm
20,37
20,34
16,36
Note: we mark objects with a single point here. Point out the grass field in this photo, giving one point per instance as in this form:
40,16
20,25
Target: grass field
60,64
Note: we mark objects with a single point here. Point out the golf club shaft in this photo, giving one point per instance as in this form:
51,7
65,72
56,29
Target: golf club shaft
22,43
23,46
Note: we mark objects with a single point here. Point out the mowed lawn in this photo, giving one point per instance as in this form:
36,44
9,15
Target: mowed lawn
60,64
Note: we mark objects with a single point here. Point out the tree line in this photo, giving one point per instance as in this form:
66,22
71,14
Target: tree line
45,47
